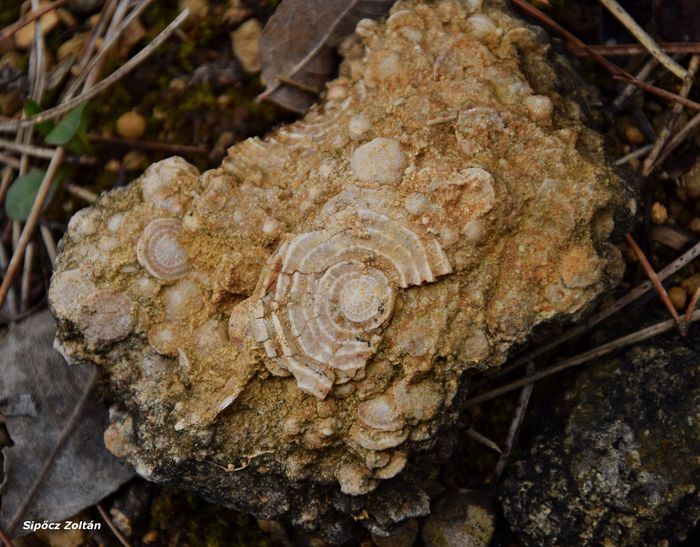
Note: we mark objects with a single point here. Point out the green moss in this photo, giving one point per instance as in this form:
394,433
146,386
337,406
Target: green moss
203,524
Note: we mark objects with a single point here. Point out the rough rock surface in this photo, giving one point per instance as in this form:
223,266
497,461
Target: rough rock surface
618,462
286,334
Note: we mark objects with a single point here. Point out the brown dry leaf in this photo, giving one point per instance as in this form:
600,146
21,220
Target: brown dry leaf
297,47
38,392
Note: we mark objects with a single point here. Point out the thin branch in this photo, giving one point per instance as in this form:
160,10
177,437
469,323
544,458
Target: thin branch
28,18
25,285
647,41
11,299
482,439
49,242
127,67
10,161
515,425
5,538
615,50
650,161
48,463
32,221
644,73
600,351
618,73
111,526
113,35
651,274
634,154
677,139
80,192
149,145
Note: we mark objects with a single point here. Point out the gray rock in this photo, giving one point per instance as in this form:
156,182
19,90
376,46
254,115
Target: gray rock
459,519
618,461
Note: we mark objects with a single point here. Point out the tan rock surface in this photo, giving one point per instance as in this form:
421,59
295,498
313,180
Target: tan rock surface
291,329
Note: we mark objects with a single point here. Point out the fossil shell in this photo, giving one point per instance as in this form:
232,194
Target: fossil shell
106,317
327,294
159,249
308,310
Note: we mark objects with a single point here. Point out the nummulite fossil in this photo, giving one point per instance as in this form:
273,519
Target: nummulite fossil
288,333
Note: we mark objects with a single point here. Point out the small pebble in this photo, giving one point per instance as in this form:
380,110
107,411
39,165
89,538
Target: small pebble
150,537
691,181
113,166
178,85
691,284
245,41
131,125
678,296
634,135
659,214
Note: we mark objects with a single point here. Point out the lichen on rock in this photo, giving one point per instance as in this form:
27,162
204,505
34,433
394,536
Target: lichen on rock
291,329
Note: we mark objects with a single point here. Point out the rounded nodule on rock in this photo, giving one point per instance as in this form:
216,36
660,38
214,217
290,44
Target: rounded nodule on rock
540,107
67,290
381,161
380,414
355,480
159,177
159,249
182,300
106,317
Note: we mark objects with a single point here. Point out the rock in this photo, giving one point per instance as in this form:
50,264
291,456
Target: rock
617,463
245,41
460,519
131,125
404,536
294,328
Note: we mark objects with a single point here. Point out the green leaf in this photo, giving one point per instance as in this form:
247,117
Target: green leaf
31,108
67,127
21,195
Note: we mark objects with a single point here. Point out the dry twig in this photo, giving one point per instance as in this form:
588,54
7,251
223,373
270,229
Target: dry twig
616,71
111,526
650,161
600,351
515,425
615,50
647,41
31,224
5,538
651,274
28,18
122,71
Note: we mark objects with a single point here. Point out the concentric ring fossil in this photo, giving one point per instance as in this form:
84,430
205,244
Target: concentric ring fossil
326,295
159,249
308,312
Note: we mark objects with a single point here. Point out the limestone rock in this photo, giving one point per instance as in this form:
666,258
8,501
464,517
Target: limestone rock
292,327
617,463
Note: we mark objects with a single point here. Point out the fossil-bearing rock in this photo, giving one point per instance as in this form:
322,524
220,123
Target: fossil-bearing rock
287,333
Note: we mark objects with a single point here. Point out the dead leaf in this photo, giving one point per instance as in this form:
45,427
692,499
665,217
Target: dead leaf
297,47
38,392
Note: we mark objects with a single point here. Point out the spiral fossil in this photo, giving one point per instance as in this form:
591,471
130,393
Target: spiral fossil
327,293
